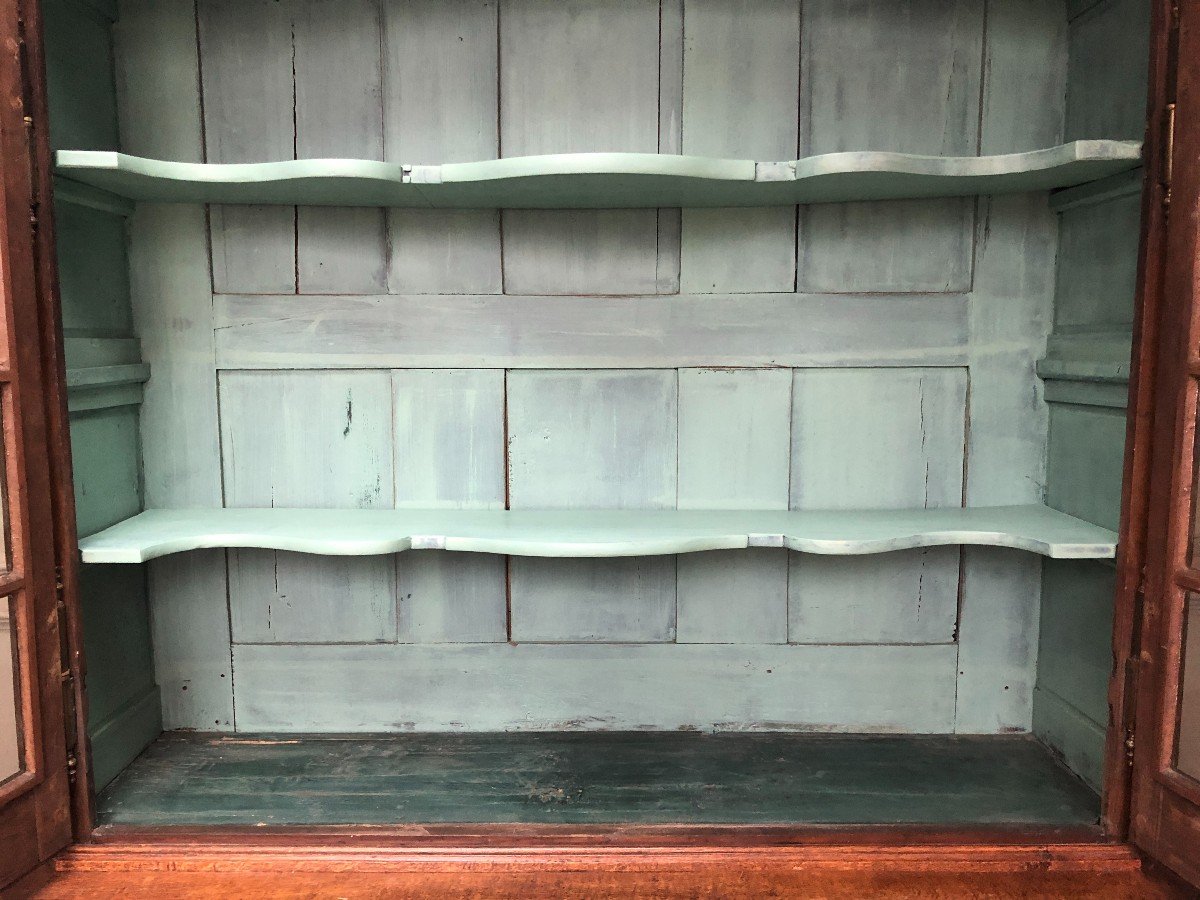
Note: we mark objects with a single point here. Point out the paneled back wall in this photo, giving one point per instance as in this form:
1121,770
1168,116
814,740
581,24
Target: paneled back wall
853,355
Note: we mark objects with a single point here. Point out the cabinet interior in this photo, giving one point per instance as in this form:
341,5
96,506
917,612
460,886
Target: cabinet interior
591,412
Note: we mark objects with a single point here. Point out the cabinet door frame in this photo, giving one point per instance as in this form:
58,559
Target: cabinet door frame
1164,803
39,808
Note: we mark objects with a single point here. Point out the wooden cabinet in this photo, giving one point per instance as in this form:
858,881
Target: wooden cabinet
765,409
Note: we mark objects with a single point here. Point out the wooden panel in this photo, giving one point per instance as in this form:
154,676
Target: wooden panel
441,96
308,439
106,473
575,77
1106,94
553,686
734,444
885,438
741,79
592,439
1097,267
339,112
448,428
92,272
157,80
1085,462
556,332
79,67
914,87
249,42
1187,757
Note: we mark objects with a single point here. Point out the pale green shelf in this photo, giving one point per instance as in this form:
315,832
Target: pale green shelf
595,532
599,180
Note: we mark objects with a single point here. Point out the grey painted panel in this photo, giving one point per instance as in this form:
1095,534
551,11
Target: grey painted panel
741,77
734,447
556,100
441,100
1086,459
190,631
883,438
914,88
308,439
253,248
339,113
1097,270
910,596
592,439
547,687
617,332
448,440
1106,83
171,290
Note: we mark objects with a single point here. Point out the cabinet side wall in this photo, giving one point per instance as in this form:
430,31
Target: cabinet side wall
869,354
1089,358
104,377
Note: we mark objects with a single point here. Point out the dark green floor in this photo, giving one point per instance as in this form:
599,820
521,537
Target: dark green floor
634,777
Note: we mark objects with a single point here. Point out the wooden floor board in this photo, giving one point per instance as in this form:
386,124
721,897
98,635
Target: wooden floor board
597,777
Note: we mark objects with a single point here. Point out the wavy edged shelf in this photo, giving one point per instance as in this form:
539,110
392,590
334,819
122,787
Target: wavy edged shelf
595,532
600,180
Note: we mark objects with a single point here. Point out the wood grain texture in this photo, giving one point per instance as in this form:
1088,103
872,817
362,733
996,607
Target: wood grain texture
559,100
253,248
913,88
734,448
308,439
441,97
338,109
171,286
884,437
741,74
547,332
448,446
531,686
601,440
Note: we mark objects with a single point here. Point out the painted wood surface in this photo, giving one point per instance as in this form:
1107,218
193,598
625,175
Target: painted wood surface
548,332
628,778
536,687
448,446
734,450
741,67
879,438
171,283
586,440
308,439
599,180
596,533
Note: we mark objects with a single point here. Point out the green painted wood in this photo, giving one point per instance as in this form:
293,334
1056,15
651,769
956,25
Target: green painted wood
68,191
585,440
734,449
243,42
596,533
451,49
1090,356
594,686
106,467
1123,185
547,332
448,440
876,438
308,439
1107,72
92,270
913,87
1097,266
741,66
1085,462
615,777
596,180
79,76
105,387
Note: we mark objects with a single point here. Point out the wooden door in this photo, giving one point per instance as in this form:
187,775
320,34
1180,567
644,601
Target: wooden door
1164,739
38,713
